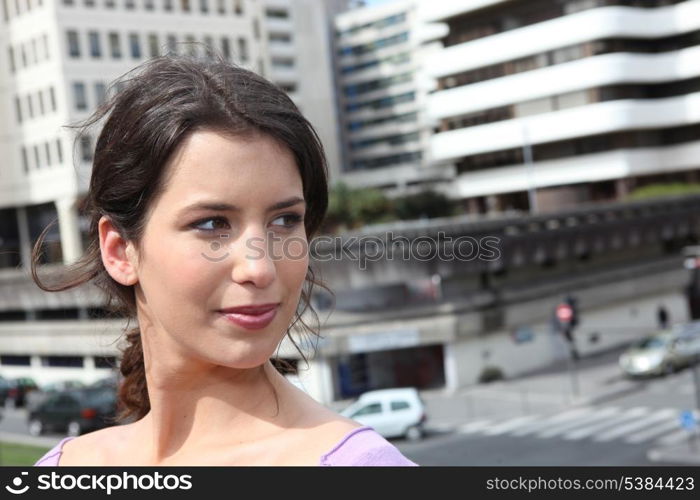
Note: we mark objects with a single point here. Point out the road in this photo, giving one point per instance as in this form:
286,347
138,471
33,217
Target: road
618,431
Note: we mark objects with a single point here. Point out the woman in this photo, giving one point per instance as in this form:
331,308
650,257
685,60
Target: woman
206,186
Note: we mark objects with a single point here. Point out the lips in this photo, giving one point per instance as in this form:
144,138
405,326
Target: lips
251,317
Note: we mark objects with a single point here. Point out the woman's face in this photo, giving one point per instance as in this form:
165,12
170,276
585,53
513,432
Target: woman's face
196,261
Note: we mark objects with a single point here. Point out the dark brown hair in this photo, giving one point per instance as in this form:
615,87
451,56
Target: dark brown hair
158,105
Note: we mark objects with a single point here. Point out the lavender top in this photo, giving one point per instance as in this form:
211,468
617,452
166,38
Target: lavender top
360,447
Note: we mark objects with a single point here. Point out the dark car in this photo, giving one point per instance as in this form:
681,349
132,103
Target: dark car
4,390
18,390
74,412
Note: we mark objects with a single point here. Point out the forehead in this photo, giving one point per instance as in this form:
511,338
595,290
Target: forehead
249,169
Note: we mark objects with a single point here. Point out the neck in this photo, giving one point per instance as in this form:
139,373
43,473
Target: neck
191,406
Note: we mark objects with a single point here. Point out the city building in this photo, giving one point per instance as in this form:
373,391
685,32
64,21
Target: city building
382,91
546,104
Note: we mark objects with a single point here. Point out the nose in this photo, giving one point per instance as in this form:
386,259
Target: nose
252,262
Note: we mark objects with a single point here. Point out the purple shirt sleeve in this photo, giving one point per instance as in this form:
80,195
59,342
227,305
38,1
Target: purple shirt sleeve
52,456
365,447
361,447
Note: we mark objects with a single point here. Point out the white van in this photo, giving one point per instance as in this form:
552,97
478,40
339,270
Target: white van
390,412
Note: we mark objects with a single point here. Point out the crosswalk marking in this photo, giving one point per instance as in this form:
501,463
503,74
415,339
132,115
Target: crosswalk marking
593,417
508,425
589,430
631,425
635,425
475,426
547,422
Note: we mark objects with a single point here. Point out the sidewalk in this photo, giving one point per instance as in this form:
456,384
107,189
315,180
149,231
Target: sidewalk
546,391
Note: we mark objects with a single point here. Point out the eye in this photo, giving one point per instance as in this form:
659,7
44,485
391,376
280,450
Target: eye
287,220
216,220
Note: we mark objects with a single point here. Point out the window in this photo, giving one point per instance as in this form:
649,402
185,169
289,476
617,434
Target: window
30,107
185,5
59,150
25,160
372,409
149,5
221,6
204,6
105,361
168,5
114,46
191,47
238,7
35,53
282,62
399,405
110,4
85,148
209,42
63,362
47,148
5,14
23,55
89,3
242,49
79,96
11,53
172,43
46,47
37,160
277,13
94,42
153,44
135,45
226,48
18,109
52,96
129,4
14,360
73,44
280,38
100,93
40,95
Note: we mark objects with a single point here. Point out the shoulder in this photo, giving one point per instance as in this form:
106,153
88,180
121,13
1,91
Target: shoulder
363,446
91,448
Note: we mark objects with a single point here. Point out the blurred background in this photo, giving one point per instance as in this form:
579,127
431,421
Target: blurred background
565,132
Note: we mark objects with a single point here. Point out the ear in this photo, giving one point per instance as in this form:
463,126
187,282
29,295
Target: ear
118,255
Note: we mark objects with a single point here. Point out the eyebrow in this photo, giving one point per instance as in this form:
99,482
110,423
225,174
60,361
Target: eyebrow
218,206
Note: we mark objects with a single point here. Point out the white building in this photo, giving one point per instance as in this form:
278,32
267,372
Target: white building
57,59
297,44
602,95
382,93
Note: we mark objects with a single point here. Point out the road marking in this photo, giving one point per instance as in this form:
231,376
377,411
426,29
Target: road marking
556,419
472,427
585,420
655,417
508,425
613,419
648,434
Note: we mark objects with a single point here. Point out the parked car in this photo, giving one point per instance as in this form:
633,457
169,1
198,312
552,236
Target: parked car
390,412
74,411
4,390
35,398
663,353
18,390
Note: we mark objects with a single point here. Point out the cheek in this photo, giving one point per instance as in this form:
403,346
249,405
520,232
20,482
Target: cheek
293,266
